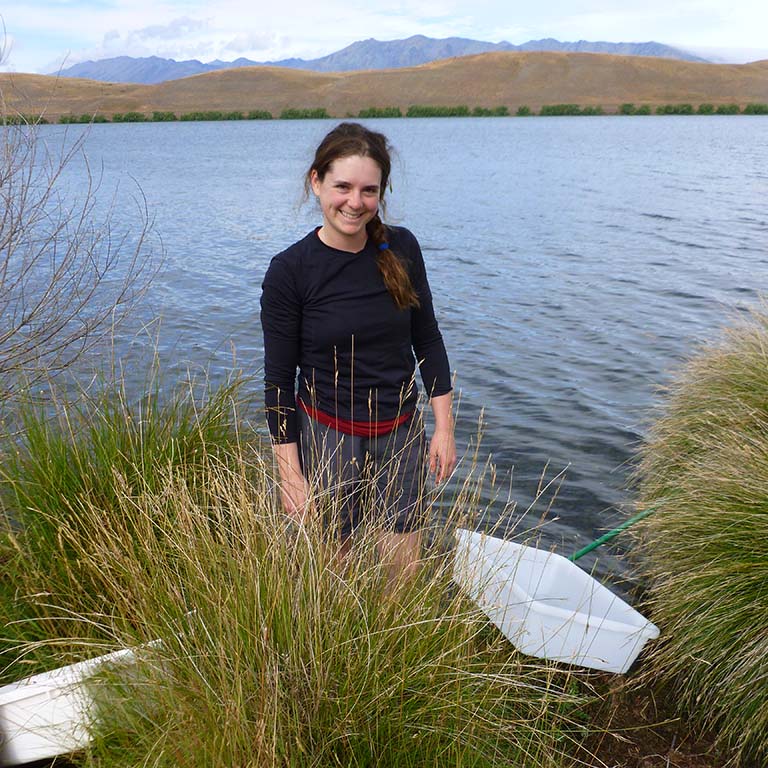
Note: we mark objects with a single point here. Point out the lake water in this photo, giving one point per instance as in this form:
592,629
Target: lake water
574,261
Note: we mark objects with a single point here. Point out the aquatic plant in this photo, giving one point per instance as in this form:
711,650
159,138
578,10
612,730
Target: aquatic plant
705,551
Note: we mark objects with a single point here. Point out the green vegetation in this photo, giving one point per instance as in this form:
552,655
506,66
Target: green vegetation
163,117
524,111
259,114
318,113
559,110
85,118
492,112
631,109
380,112
155,521
728,109
129,117
420,110
706,109
17,119
705,551
756,109
211,115
674,109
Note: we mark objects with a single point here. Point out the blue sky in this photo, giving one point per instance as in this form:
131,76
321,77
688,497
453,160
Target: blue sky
40,35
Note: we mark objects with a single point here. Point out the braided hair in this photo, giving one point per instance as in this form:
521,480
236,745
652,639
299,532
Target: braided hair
349,139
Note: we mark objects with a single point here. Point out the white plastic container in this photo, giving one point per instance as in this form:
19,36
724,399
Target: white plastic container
547,606
48,714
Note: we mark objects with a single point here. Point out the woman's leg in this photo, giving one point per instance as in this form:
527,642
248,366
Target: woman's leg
400,481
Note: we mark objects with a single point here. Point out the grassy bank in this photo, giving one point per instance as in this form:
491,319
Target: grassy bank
705,551
157,519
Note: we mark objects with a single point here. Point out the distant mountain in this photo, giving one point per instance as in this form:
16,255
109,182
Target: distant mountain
364,54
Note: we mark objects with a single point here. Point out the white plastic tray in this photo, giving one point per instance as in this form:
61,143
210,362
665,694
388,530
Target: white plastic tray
48,714
547,606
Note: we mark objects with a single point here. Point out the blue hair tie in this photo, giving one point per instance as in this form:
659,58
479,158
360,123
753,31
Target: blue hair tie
383,246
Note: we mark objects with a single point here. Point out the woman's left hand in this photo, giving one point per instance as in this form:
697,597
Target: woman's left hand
442,454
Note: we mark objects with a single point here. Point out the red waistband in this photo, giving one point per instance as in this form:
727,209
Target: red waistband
354,428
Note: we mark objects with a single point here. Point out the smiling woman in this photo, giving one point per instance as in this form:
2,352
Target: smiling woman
348,306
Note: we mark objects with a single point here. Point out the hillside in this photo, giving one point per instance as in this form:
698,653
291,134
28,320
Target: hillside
491,79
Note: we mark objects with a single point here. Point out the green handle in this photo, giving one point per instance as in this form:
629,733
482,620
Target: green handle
608,536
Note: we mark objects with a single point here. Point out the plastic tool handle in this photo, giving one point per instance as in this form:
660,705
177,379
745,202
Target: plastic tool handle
608,536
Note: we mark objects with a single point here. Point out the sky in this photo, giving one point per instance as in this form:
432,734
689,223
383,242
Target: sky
43,35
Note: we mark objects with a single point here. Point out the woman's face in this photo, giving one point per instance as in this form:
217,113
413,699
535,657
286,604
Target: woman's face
349,198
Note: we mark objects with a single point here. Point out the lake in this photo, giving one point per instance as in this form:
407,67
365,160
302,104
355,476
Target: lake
575,262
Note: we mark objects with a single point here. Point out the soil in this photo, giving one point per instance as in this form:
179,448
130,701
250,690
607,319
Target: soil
637,729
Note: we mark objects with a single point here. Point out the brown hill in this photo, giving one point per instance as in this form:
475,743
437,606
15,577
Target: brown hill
488,80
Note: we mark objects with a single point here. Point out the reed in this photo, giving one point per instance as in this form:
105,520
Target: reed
156,521
705,551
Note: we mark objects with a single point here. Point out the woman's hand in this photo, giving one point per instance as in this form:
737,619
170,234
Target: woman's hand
442,446
294,489
442,454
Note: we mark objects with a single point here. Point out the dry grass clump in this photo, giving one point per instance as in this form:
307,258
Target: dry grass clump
705,551
274,652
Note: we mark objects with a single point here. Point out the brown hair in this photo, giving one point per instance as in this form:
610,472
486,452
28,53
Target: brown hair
346,140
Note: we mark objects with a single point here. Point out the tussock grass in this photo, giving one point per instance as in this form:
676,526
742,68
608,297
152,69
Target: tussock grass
705,551
162,523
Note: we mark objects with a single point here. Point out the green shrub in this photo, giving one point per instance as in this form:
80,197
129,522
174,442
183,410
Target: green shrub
524,111
643,109
319,113
490,112
259,114
129,117
163,117
756,109
674,109
727,109
627,109
591,111
19,119
418,110
559,110
380,112
706,109
704,552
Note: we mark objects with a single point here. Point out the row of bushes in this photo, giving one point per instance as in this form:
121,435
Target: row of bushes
416,110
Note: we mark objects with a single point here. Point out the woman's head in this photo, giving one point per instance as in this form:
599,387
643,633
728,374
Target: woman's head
347,140
354,147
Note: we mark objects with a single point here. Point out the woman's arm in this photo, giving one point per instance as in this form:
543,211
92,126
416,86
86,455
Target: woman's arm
442,446
294,489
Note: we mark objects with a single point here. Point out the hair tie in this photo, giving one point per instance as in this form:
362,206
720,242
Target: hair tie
383,246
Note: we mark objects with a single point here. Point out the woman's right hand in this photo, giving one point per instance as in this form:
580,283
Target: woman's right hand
294,489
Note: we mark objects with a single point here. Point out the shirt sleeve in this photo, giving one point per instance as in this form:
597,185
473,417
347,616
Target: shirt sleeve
425,334
281,325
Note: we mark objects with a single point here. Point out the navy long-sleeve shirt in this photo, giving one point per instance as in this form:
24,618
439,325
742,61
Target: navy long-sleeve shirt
328,314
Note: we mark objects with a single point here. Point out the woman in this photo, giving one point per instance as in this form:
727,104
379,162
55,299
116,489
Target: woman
348,306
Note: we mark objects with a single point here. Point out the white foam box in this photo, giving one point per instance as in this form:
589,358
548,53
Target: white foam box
49,714
547,606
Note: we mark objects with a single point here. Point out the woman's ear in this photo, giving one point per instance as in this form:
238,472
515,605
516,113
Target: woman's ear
314,181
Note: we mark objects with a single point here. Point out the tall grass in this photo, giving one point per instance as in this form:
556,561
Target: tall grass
705,551
275,652
70,455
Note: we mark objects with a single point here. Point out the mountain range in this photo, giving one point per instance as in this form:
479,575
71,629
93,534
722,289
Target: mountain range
362,55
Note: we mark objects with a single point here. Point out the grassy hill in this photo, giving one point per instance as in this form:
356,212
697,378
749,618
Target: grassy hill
511,79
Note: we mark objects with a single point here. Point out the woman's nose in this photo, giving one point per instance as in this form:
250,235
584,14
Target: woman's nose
355,199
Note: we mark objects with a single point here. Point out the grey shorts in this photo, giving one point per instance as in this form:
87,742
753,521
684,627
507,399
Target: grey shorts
380,479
